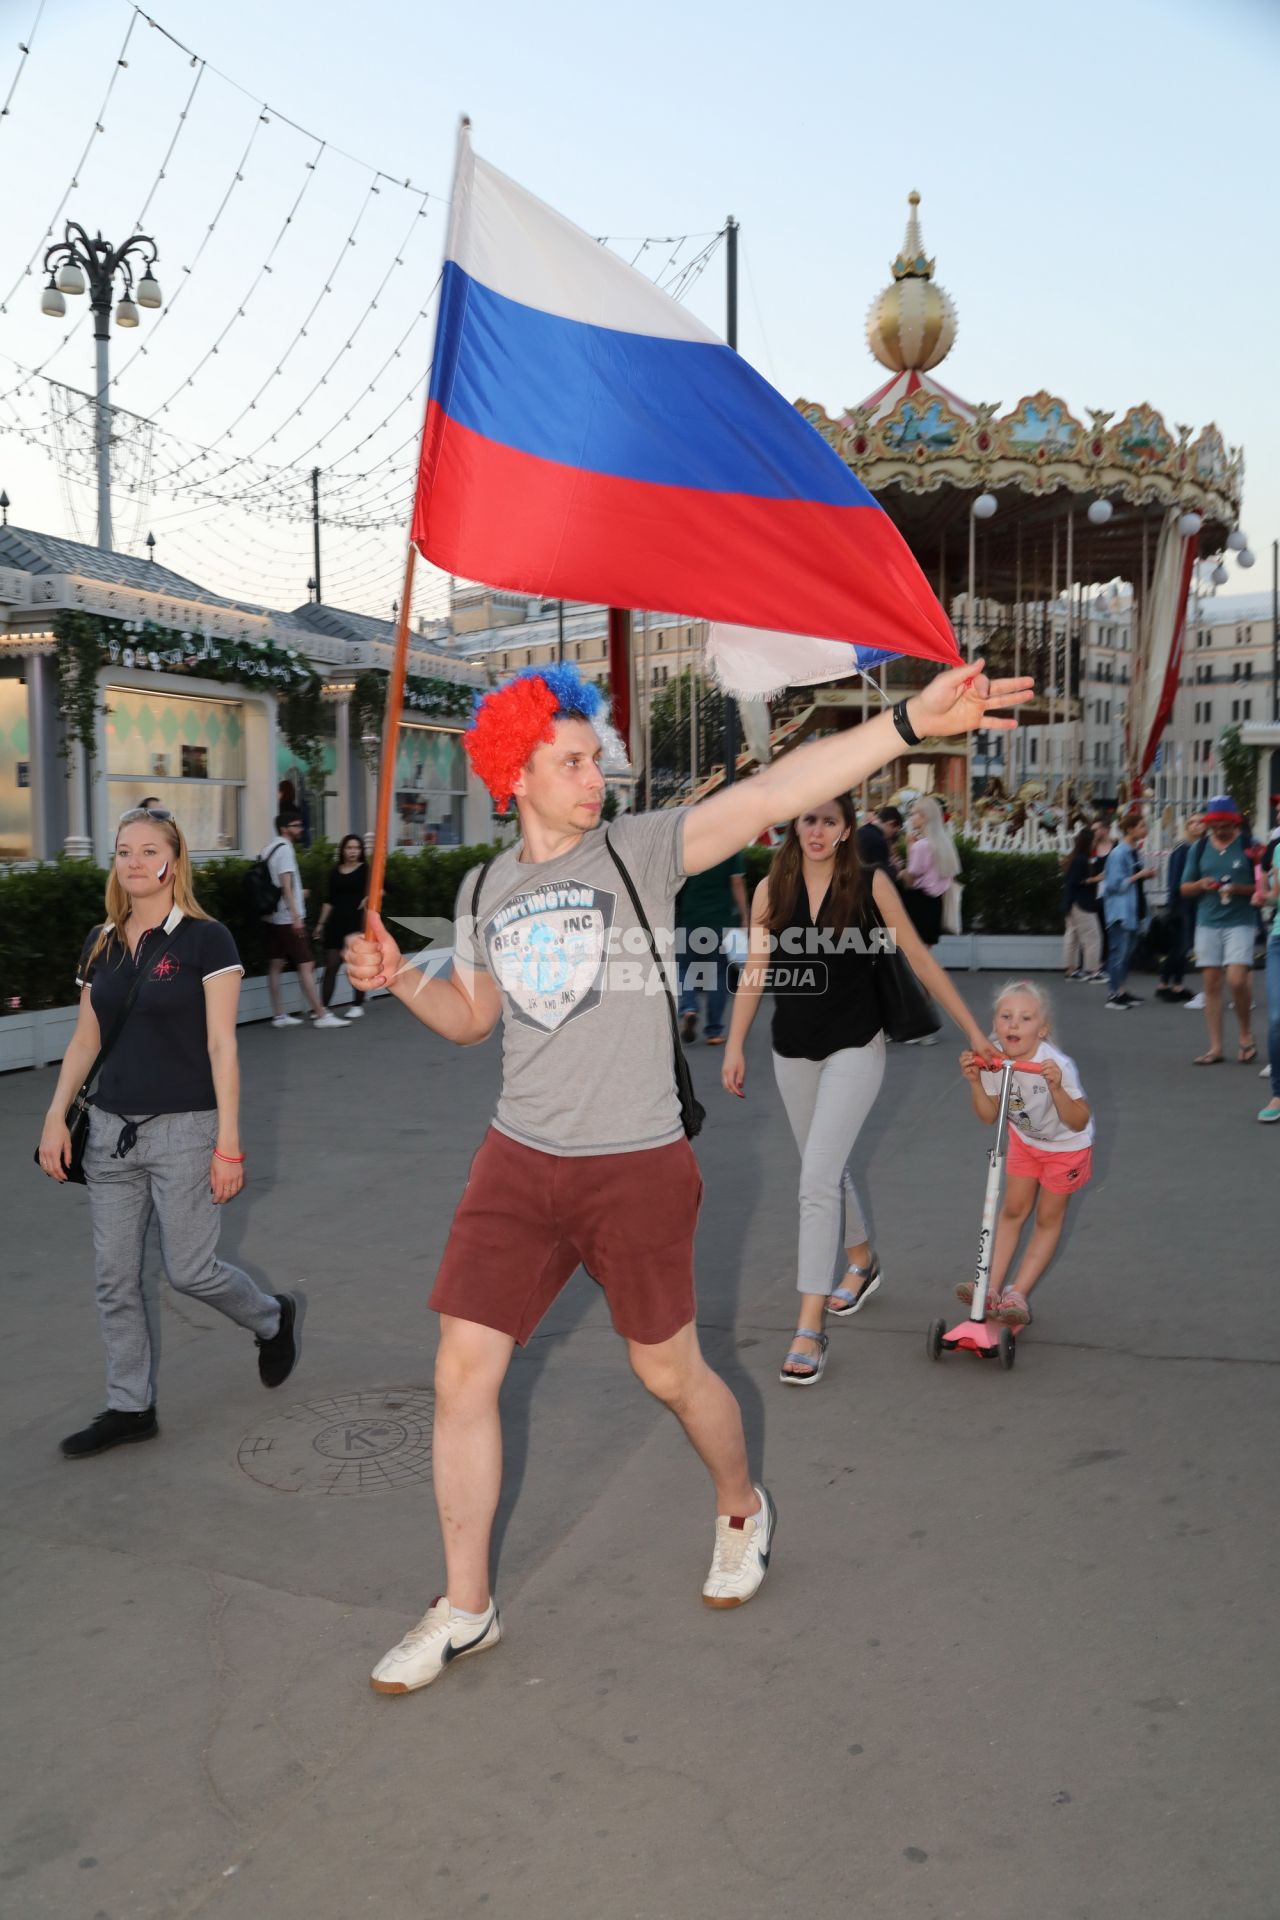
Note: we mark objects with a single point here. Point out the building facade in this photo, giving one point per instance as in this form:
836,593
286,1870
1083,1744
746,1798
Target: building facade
189,698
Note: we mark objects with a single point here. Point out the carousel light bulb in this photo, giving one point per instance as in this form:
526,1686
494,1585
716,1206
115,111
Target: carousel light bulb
1219,575
126,313
149,291
52,302
1237,540
984,506
69,278
1100,511
1244,558
1189,525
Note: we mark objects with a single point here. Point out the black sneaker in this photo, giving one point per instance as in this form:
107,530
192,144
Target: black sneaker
1117,1003
278,1356
1132,999
111,1429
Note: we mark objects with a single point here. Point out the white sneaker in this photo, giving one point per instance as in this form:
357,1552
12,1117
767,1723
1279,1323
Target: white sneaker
1195,1004
286,1020
355,1013
427,1649
741,1559
328,1020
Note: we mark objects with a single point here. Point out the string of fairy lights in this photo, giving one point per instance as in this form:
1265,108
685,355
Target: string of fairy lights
319,361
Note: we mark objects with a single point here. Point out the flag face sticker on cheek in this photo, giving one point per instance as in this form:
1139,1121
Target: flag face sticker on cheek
588,439
548,951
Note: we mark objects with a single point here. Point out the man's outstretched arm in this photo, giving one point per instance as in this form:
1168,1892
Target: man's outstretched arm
955,702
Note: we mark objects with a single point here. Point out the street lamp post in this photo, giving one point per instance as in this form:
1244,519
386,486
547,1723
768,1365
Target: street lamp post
72,263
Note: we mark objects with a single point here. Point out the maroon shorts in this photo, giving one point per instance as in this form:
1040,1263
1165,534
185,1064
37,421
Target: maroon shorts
286,943
528,1219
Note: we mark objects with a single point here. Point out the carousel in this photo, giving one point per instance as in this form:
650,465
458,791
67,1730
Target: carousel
1038,526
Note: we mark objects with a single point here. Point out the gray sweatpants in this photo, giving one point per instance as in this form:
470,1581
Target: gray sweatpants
165,1174
827,1102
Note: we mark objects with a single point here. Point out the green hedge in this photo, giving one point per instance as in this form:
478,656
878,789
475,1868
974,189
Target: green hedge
46,912
1003,892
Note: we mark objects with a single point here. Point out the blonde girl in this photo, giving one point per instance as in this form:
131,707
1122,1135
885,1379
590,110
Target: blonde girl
164,1128
932,867
1050,1154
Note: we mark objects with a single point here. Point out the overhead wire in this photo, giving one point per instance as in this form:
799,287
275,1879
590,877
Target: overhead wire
238,311
380,173
70,333
24,50
98,127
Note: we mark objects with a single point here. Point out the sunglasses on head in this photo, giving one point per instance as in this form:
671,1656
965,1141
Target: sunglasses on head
143,813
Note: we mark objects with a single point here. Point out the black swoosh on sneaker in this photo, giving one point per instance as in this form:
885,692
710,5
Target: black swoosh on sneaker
451,1652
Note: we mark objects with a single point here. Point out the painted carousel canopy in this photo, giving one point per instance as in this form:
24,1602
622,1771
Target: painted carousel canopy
926,454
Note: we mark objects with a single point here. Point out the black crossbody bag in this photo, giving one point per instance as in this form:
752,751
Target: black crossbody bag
692,1112
78,1111
905,1009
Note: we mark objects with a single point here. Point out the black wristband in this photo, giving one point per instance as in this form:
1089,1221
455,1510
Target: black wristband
904,725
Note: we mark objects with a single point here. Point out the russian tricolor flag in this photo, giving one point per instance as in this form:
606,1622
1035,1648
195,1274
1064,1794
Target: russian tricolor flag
588,439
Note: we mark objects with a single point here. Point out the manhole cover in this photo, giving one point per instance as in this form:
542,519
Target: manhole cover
355,1443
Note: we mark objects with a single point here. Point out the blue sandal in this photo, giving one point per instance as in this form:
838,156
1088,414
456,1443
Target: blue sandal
796,1358
852,1299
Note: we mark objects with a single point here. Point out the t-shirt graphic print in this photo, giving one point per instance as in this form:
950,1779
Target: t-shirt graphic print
547,950
587,1064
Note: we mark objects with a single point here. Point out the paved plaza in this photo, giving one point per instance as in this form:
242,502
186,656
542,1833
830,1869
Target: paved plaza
1016,1655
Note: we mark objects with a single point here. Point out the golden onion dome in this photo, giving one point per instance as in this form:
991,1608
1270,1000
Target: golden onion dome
912,324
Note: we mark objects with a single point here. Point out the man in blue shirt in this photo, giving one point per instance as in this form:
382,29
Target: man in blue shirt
1121,878
1218,876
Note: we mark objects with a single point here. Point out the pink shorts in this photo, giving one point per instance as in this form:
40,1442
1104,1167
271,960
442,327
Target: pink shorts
1056,1172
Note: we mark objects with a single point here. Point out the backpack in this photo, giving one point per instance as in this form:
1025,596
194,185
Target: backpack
261,894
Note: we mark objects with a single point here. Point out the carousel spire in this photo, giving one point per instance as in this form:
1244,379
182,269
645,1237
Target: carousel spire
912,324
911,263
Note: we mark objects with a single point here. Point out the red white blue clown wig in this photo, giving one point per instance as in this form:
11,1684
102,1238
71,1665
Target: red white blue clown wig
507,724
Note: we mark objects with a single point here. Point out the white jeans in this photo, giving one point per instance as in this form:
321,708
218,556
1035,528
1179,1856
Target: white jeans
827,1102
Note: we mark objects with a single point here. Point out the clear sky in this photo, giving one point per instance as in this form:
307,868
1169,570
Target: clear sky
1099,188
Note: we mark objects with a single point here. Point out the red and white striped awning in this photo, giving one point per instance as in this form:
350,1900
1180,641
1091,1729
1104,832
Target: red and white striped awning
900,386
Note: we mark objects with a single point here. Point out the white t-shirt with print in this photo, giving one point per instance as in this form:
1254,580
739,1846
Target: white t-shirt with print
1031,1109
282,858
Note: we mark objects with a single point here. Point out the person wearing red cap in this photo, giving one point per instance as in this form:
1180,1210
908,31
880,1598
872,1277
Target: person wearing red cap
1218,876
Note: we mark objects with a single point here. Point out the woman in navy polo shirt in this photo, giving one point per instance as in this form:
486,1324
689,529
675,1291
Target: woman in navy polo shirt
164,1131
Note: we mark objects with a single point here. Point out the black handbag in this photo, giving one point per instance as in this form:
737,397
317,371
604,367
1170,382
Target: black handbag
78,1111
692,1112
906,1011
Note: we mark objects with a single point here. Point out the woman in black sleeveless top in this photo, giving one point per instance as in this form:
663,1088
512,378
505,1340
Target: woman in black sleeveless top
812,919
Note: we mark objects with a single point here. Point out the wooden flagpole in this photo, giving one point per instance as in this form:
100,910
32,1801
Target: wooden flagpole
399,667
391,741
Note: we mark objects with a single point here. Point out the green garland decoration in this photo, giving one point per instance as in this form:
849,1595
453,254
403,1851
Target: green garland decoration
77,659
436,699
88,642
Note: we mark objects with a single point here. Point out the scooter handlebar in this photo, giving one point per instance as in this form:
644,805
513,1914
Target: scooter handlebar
1019,1066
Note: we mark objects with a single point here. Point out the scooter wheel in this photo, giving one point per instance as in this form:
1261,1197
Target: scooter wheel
933,1339
1006,1348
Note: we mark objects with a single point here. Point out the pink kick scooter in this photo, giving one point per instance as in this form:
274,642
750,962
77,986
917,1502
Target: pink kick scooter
976,1334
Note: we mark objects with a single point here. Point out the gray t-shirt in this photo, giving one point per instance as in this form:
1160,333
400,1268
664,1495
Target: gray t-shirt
587,1062
282,857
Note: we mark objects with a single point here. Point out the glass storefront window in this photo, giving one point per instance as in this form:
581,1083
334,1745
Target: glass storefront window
431,786
187,753
15,769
